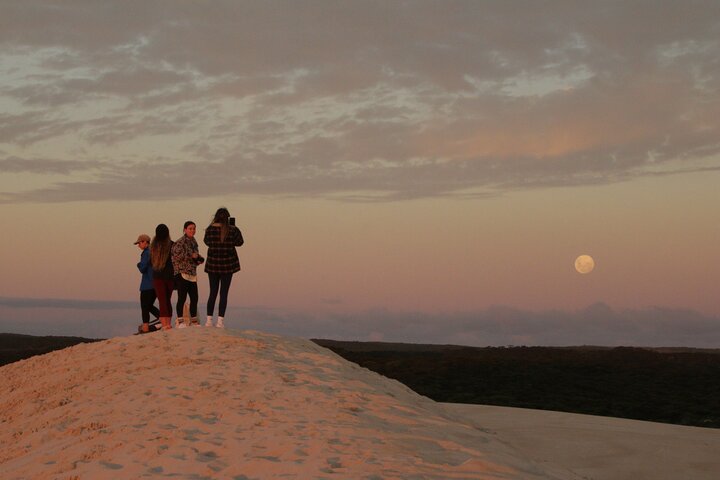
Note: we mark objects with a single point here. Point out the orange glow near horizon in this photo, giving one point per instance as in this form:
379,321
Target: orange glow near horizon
429,255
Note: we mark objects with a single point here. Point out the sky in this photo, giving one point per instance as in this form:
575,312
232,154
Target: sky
414,171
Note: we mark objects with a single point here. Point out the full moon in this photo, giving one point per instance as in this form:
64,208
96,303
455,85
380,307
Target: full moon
584,264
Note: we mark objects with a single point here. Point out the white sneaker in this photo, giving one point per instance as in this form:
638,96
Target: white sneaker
208,322
220,323
181,325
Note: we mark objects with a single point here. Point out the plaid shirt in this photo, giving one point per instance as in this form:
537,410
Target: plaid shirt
222,256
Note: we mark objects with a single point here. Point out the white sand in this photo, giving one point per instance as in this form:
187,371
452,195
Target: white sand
207,403
602,448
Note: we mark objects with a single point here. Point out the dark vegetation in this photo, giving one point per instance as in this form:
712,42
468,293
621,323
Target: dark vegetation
14,347
673,385
670,385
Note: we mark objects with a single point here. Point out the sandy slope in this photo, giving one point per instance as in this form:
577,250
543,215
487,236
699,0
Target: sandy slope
206,403
602,448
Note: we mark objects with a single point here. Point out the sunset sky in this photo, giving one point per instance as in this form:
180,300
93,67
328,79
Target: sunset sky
422,171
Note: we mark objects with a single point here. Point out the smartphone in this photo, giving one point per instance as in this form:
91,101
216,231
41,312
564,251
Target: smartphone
231,220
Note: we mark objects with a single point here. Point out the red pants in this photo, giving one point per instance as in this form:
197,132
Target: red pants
163,290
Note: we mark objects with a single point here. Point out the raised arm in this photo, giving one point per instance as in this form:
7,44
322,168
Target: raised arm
206,237
239,240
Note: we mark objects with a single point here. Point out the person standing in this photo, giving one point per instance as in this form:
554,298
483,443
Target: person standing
221,237
185,259
147,290
163,274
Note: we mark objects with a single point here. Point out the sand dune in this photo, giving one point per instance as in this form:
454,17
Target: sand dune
602,448
206,403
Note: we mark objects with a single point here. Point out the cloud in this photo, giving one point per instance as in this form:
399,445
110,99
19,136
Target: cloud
65,304
356,100
31,127
43,165
597,324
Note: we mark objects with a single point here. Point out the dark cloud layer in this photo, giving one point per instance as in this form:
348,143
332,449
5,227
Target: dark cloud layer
63,304
361,99
41,165
596,325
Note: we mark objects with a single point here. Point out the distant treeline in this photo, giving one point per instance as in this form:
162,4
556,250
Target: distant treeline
670,385
675,385
14,347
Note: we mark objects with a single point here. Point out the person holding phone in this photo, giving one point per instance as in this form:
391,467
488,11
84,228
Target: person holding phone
222,238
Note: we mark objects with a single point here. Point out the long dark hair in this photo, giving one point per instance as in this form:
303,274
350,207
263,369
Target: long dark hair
160,247
221,218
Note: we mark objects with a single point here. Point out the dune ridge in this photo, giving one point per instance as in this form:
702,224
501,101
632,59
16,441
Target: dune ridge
207,403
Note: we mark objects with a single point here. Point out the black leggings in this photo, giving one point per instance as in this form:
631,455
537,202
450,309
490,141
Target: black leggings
218,282
147,301
185,288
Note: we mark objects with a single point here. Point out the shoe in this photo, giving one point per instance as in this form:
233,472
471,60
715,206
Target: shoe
181,325
220,323
194,322
208,322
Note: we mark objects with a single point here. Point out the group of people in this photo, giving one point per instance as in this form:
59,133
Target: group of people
166,266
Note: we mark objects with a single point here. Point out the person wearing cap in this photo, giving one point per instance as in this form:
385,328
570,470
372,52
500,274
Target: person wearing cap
147,290
163,273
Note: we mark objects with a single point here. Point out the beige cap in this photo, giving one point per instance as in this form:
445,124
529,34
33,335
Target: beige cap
142,238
